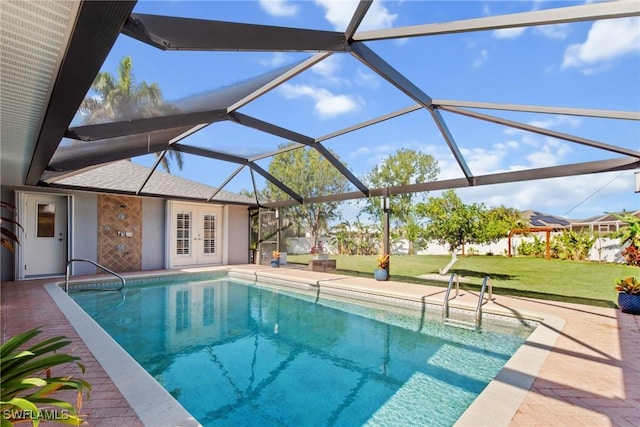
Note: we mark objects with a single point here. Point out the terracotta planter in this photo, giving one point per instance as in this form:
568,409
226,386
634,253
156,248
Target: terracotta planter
629,303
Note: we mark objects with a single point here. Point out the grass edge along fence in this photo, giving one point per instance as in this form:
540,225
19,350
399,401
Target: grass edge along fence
579,282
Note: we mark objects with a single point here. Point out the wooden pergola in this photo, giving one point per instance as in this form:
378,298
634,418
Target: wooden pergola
547,231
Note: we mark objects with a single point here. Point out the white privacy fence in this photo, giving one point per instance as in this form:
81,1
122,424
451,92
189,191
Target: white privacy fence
604,249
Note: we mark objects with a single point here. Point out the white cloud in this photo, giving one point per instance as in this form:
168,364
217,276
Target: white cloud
508,33
576,197
279,8
556,31
481,59
364,78
326,103
547,123
339,14
556,121
606,41
329,105
328,68
482,161
377,17
276,59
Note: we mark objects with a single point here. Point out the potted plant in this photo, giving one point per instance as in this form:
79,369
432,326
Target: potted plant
382,272
275,259
8,237
628,295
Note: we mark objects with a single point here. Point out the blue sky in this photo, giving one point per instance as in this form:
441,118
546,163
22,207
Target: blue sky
583,65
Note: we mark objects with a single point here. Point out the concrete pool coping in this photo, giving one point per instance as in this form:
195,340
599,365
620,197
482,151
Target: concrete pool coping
150,401
496,405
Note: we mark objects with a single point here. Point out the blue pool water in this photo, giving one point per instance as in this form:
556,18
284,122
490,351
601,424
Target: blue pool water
242,354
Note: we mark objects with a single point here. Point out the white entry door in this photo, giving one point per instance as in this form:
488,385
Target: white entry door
196,235
45,235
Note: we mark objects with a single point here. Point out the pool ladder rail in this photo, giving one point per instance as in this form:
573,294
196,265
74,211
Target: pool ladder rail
446,315
71,261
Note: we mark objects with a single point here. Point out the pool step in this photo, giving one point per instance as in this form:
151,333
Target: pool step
472,326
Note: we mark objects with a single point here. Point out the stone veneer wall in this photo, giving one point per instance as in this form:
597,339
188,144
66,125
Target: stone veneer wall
120,232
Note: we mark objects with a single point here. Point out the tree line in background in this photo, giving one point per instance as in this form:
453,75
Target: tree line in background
415,217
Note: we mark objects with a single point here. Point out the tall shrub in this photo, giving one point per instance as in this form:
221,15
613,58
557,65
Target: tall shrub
573,245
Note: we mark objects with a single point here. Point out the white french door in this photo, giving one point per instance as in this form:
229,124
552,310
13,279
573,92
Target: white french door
196,234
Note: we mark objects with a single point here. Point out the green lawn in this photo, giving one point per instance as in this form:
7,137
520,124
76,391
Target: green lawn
580,282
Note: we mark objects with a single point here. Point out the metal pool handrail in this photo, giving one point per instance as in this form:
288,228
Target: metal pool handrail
71,261
445,306
481,298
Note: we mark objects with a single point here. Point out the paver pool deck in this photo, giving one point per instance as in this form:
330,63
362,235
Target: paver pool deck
589,376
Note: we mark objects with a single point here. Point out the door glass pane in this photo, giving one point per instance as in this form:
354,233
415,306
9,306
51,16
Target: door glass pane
209,234
46,220
183,233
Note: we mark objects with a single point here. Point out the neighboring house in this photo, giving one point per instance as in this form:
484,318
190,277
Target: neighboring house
155,230
602,224
543,220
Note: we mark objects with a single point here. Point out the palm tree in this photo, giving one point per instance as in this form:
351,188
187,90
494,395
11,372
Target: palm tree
120,98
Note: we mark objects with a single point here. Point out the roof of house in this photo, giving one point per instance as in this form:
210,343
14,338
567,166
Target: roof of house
608,217
124,177
540,219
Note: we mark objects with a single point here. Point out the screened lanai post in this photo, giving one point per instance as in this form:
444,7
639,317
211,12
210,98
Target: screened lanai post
370,122
151,171
283,78
385,70
95,30
567,111
290,135
448,137
255,194
295,196
356,19
386,207
221,187
175,33
542,131
278,224
560,15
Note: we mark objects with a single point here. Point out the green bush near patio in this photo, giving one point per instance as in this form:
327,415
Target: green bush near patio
588,283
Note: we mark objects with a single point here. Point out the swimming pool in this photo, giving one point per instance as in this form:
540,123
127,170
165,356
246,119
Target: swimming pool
234,353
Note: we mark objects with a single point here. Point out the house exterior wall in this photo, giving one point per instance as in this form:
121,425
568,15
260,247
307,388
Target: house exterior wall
86,228
153,233
85,237
6,258
237,234
120,232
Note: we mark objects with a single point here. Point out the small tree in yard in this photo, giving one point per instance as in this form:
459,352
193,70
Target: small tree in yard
309,174
455,224
404,167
